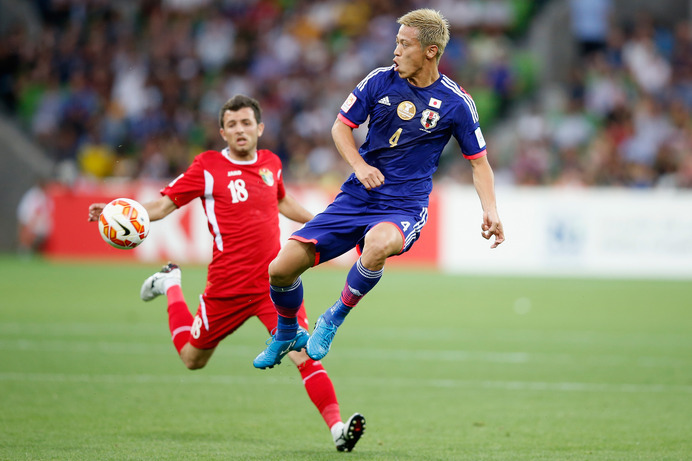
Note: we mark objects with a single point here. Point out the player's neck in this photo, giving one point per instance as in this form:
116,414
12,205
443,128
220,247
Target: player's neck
425,77
241,157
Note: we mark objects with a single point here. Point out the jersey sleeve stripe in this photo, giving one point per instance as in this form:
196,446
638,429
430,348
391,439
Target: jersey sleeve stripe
346,121
363,82
474,156
465,96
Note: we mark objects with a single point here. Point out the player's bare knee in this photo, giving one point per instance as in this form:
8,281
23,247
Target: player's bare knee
193,363
194,358
381,242
293,259
279,276
374,255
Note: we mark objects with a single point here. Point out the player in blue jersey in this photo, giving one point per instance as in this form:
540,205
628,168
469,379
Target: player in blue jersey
382,207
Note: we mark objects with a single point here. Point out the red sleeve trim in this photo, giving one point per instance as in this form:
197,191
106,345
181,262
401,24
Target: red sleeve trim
304,240
347,121
482,153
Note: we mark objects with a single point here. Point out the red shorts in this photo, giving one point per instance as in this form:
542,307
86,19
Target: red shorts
217,318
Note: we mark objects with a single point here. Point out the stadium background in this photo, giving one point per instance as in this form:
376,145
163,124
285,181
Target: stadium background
445,366
589,132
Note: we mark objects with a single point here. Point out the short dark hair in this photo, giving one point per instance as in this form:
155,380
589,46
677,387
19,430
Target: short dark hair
238,102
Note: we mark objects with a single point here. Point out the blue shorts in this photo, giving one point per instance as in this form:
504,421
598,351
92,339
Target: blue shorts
344,223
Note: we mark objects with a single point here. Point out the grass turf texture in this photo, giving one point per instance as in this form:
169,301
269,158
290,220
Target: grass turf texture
443,367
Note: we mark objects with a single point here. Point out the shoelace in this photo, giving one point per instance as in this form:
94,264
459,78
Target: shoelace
271,336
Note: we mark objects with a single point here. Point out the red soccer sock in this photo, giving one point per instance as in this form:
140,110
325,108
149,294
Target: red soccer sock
321,391
179,317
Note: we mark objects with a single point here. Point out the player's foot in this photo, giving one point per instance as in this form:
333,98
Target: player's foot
321,339
350,433
276,350
155,285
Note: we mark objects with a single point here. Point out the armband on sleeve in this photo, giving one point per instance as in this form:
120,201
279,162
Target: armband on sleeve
347,121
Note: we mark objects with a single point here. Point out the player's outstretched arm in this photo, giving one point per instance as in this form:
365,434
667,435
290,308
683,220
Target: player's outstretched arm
160,208
289,207
369,176
484,182
157,209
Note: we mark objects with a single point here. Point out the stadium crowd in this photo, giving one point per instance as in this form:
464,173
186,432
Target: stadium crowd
132,89
623,119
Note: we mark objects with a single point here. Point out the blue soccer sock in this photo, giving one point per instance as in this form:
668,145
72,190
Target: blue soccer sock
287,302
359,282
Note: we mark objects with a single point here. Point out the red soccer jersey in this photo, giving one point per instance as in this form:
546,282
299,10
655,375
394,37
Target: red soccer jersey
240,200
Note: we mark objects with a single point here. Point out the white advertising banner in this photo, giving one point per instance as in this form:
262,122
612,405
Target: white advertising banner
583,232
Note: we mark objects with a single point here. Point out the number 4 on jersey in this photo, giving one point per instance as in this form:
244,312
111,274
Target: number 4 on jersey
394,140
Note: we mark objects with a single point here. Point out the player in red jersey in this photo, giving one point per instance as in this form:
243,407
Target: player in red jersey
242,192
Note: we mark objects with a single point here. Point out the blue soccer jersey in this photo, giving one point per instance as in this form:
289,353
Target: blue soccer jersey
408,129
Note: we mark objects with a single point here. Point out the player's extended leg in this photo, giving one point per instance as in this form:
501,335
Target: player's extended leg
286,291
321,392
195,358
382,241
168,281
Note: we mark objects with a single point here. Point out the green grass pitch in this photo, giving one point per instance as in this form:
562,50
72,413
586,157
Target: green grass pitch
443,367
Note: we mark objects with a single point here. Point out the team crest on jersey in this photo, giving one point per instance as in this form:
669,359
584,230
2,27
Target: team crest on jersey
406,110
267,176
429,119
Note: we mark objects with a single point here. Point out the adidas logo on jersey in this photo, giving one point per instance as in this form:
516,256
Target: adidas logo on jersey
384,101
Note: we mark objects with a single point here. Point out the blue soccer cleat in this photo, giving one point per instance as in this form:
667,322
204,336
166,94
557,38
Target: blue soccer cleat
321,339
276,350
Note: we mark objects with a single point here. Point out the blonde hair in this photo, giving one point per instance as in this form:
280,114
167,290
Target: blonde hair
433,28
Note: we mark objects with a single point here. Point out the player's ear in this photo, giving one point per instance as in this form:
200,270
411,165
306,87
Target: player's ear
223,135
260,129
431,51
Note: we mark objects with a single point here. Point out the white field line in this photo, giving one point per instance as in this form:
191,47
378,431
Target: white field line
361,381
228,348
88,330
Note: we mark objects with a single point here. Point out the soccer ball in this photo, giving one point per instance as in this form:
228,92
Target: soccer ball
124,223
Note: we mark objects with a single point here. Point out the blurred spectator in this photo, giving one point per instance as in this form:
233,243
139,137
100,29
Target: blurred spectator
34,218
590,24
647,65
95,158
214,43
